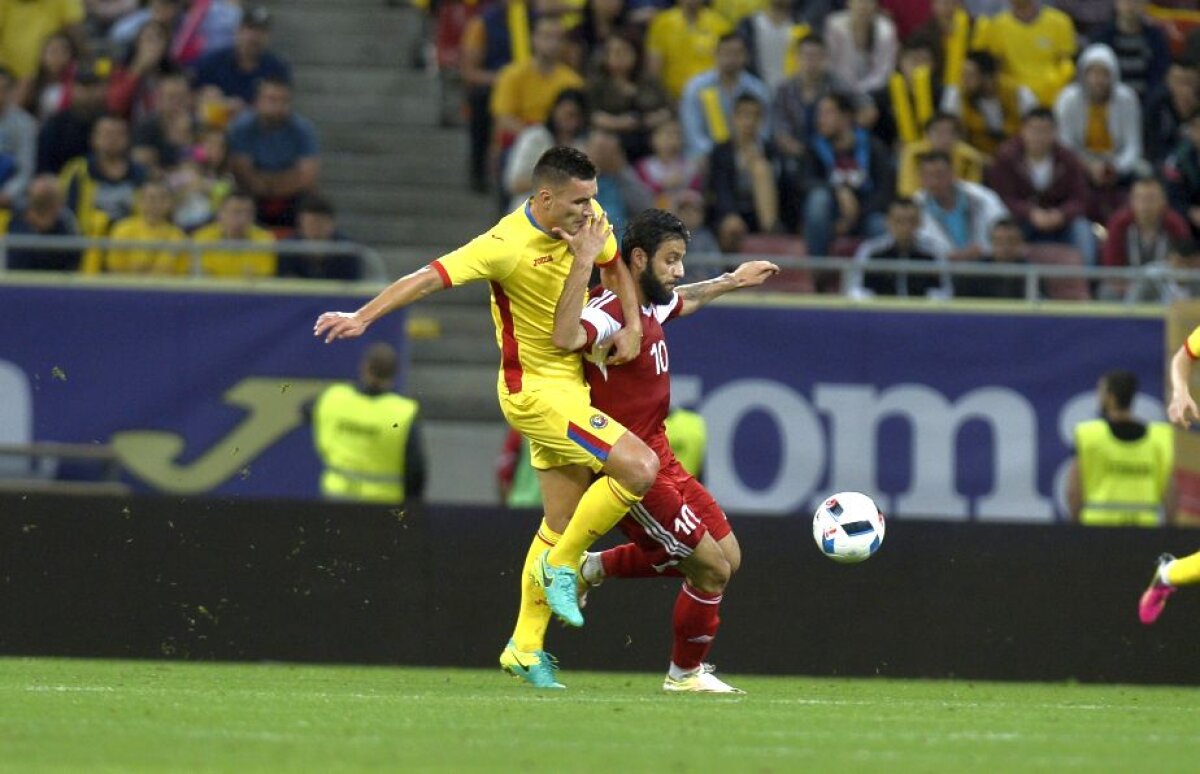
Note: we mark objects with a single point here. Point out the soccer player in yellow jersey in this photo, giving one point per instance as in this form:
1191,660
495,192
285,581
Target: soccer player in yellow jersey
1172,572
526,258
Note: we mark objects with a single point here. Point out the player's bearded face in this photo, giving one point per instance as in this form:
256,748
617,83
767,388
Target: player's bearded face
657,281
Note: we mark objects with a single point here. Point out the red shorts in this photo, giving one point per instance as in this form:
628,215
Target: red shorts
674,515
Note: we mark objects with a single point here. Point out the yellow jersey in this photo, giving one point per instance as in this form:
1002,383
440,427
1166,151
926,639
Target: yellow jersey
25,26
1192,344
686,49
1039,55
522,90
230,264
526,268
146,260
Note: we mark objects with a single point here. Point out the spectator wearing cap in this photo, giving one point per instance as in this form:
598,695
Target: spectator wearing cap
316,221
66,134
273,153
18,145
237,69
26,24
1100,119
100,186
45,215
235,222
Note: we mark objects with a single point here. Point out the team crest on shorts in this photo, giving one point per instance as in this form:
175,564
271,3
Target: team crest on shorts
599,421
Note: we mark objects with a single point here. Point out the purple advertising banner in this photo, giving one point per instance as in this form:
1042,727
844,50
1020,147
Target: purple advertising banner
937,414
196,390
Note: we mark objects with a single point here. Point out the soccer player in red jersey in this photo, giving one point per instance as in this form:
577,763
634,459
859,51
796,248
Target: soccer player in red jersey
678,528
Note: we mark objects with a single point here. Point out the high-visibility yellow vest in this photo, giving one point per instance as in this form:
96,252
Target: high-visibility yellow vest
362,441
688,436
1123,482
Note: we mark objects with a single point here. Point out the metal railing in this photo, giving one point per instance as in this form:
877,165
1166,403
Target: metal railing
1032,274
847,270
372,265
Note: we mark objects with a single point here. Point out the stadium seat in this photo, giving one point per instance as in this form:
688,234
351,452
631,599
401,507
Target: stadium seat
1061,288
783,245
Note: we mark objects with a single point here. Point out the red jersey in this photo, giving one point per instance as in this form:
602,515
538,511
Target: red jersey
638,393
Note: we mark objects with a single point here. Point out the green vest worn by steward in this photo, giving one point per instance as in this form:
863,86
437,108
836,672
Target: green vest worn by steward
362,441
525,491
688,436
1123,482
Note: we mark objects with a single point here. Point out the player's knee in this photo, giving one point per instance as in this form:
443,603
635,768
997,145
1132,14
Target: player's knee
642,472
713,575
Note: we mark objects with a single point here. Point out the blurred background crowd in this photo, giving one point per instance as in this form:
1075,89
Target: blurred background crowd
159,121
987,131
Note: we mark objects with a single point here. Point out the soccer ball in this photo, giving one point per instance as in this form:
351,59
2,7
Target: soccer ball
848,527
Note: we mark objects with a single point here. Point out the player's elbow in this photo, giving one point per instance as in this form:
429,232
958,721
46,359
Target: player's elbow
567,341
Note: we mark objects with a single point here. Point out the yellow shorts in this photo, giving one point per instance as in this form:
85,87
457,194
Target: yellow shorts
562,426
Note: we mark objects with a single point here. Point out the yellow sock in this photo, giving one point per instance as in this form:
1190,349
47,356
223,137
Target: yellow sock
530,632
1183,572
600,508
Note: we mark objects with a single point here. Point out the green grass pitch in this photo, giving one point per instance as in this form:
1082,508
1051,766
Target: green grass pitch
65,715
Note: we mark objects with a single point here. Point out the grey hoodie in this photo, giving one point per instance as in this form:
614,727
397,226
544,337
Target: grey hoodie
1124,113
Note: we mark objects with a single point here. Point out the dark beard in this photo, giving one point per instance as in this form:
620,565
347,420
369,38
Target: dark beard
655,292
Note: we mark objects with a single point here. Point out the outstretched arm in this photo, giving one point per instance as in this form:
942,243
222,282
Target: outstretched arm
402,292
748,275
1182,410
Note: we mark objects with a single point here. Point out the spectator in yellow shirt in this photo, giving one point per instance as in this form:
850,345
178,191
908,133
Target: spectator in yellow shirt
149,223
25,26
1034,44
235,222
682,43
525,91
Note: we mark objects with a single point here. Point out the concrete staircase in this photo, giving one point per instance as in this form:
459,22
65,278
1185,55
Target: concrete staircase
399,182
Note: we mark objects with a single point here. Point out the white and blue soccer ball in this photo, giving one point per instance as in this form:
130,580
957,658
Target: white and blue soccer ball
848,527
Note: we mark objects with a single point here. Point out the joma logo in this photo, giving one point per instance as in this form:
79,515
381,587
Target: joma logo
543,259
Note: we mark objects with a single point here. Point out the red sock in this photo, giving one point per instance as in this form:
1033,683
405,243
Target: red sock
628,560
696,618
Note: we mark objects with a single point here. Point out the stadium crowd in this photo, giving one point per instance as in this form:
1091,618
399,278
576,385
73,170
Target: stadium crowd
1005,131
163,121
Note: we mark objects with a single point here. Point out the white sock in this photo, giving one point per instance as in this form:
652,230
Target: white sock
592,568
675,673
1162,573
